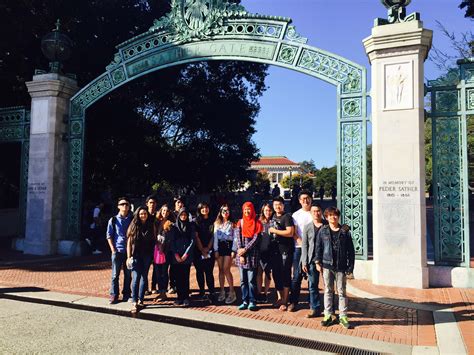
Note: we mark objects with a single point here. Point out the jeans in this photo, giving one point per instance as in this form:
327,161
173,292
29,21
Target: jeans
205,267
182,280
160,277
118,262
297,277
140,277
313,278
329,277
248,285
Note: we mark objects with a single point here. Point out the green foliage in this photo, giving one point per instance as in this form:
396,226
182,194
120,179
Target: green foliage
306,181
308,166
468,5
327,178
262,182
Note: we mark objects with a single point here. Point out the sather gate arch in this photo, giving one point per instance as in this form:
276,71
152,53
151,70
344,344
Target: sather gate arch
216,30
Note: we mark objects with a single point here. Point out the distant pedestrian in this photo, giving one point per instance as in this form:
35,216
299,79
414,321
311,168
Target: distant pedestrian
96,228
335,259
140,246
333,193
182,247
247,259
224,232
204,258
117,240
276,191
321,192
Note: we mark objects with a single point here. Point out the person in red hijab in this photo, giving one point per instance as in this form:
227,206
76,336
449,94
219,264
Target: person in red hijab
248,229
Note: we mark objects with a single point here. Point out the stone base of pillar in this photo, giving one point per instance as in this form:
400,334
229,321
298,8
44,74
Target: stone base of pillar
448,276
363,269
72,248
34,247
413,277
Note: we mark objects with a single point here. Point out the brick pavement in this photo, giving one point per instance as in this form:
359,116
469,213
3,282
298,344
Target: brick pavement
90,276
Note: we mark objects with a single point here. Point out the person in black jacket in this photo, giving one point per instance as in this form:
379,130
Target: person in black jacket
335,258
182,247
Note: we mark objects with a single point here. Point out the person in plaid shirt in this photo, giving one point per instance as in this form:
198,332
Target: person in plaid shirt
248,229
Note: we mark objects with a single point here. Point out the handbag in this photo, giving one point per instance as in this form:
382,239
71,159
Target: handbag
159,257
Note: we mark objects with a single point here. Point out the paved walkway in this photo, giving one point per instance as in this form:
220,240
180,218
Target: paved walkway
393,315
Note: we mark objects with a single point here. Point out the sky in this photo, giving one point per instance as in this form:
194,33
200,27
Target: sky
298,112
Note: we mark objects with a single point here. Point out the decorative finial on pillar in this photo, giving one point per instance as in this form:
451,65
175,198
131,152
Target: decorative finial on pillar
57,47
396,12
396,9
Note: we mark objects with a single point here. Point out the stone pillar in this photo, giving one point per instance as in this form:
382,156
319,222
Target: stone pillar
47,171
397,53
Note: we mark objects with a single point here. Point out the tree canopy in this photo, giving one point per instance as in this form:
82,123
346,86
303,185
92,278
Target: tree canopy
189,126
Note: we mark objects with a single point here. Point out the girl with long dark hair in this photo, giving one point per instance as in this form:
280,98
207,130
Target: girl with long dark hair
224,231
162,257
140,244
204,256
267,247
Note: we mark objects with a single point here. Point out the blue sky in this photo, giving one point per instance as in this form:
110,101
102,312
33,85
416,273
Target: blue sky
298,112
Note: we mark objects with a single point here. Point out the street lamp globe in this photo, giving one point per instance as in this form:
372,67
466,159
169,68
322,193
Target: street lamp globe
57,47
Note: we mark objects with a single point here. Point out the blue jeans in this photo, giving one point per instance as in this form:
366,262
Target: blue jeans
313,278
297,277
140,277
118,262
248,284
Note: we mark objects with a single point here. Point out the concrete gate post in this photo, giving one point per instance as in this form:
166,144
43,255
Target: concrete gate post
47,171
397,52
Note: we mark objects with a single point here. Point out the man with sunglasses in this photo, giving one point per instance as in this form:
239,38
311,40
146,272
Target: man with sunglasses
117,239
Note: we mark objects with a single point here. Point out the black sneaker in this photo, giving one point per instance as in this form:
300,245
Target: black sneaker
113,300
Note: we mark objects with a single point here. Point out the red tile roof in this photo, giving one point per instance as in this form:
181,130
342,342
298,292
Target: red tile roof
279,160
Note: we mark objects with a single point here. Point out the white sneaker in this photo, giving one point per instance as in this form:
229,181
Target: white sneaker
231,298
221,297
96,252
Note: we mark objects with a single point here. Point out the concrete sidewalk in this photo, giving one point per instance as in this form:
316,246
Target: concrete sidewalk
410,321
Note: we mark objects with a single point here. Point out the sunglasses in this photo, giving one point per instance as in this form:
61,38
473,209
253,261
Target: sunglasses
124,204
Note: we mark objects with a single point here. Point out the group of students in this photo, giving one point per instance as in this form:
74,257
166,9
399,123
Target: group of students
273,244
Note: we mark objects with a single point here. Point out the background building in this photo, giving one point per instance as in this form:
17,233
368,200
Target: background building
277,168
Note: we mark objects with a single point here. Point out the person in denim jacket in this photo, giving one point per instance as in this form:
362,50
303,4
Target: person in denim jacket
335,258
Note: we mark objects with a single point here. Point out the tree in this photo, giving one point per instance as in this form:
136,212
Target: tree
262,183
469,6
306,181
308,166
166,128
327,178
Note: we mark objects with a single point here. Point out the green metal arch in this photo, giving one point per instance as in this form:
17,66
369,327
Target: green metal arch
230,33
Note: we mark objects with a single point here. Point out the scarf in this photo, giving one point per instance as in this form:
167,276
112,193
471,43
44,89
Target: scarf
182,226
250,224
